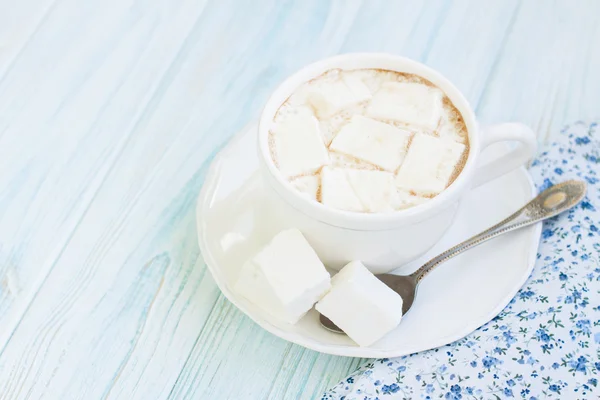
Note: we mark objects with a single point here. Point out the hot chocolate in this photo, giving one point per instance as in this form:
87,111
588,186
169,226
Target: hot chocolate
369,140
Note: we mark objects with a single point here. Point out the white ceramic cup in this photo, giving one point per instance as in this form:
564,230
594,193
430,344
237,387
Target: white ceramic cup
383,241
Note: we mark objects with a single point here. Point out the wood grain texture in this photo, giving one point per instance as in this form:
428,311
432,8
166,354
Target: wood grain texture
110,113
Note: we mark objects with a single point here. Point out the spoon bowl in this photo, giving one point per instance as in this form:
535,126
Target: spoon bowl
547,204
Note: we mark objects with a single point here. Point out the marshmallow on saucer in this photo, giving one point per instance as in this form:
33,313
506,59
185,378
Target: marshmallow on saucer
361,305
376,142
332,97
299,148
408,102
429,164
285,278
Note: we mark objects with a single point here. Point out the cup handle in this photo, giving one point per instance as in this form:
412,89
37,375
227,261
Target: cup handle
518,156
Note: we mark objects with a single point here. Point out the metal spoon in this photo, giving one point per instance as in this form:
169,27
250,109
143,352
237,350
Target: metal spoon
547,204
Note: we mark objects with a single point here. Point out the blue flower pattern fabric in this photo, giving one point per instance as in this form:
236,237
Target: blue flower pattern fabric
546,343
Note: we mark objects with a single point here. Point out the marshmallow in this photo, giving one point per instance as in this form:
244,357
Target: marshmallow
373,189
361,305
337,192
285,278
402,199
449,129
358,190
429,164
376,142
309,185
345,161
331,97
411,103
299,148
330,127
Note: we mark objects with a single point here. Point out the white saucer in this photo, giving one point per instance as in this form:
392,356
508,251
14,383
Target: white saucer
461,295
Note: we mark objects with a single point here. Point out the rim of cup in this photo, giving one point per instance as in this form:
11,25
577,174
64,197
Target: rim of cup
350,219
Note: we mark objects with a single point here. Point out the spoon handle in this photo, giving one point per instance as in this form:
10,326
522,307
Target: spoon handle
547,204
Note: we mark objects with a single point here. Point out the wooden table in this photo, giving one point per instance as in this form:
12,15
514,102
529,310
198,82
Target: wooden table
110,113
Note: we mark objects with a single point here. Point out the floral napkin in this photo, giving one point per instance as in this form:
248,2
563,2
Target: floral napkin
546,343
